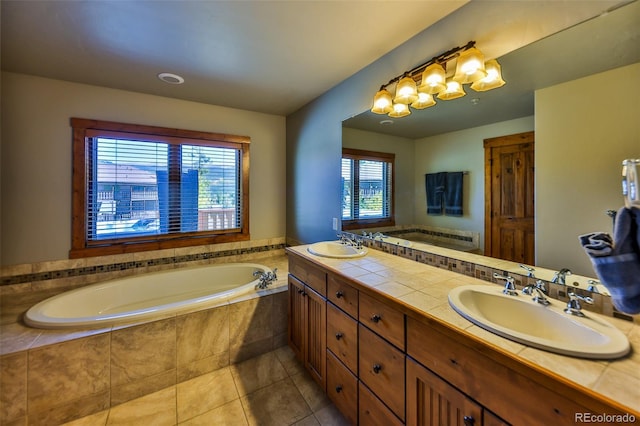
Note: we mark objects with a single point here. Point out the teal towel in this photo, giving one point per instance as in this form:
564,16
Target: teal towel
453,194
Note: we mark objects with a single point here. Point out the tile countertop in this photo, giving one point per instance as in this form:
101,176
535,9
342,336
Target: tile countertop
425,288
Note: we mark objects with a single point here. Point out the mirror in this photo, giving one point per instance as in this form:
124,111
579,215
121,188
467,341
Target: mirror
578,160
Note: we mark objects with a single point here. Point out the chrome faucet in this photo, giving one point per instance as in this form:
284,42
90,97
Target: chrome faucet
529,270
560,277
574,307
538,291
593,286
509,285
265,278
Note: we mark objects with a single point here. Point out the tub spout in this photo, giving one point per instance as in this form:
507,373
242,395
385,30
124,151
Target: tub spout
265,278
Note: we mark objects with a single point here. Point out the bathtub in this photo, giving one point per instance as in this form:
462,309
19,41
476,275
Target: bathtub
144,296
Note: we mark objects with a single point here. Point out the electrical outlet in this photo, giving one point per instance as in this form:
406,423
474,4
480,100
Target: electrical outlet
335,223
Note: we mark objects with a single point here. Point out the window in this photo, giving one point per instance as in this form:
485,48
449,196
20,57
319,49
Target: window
141,188
367,188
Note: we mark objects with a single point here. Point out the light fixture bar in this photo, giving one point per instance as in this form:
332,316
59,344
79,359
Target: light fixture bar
418,86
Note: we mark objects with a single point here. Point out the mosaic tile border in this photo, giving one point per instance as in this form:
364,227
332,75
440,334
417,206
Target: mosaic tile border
449,236
131,265
602,304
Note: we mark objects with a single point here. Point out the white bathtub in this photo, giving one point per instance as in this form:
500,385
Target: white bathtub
144,296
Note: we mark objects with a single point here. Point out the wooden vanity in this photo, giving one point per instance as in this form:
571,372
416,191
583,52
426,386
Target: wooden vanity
385,362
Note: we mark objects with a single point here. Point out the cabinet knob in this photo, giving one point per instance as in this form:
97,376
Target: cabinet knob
339,388
339,294
376,318
377,368
468,420
339,336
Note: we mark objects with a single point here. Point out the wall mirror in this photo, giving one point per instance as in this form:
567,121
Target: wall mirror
598,45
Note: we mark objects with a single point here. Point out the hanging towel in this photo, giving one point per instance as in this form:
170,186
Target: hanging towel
617,262
435,184
453,194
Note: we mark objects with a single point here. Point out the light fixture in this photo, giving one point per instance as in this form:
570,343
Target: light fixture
425,100
470,66
400,110
382,103
493,79
433,79
406,91
454,90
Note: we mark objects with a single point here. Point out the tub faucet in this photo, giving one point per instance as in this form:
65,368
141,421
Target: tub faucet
538,291
509,285
265,278
561,276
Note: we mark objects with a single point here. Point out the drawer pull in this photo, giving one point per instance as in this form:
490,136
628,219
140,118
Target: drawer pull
339,388
339,294
339,336
376,318
468,420
377,368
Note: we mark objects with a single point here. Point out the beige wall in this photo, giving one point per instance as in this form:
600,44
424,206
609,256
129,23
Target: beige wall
584,129
404,151
459,151
36,156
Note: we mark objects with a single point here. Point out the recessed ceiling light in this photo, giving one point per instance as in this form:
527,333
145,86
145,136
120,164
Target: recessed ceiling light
386,122
170,78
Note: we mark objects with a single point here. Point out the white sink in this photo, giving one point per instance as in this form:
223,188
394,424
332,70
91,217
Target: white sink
336,249
549,328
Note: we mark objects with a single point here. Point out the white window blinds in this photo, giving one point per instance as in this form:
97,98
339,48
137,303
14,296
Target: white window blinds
142,188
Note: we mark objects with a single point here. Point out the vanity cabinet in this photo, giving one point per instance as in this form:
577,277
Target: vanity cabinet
308,318
472,372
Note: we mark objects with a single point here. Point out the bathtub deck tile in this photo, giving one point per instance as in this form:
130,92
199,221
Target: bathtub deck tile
140,387
202,366
13,387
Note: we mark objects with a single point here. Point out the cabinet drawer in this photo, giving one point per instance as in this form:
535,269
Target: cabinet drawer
342,337
381,368
487,380
342,388
342,295
383,319
372,411
310,274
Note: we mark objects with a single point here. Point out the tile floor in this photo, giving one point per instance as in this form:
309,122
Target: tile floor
271,390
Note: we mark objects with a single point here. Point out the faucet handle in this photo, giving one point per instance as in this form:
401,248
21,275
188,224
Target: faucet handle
529,270
509,285
574,307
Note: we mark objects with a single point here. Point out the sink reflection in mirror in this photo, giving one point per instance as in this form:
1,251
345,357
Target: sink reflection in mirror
337,249
546,327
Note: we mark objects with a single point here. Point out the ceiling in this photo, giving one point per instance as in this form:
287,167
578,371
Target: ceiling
265,56
599,44
275,56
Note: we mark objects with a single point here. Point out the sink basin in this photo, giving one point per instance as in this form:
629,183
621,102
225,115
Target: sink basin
336,249
520,319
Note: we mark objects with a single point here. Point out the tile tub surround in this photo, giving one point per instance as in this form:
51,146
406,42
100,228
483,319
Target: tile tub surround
483,267
424,289
272,389
53,376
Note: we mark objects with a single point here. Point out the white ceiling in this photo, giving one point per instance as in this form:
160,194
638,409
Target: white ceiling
265,56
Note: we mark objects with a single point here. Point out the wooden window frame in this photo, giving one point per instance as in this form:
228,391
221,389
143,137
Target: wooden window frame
359,154
84,129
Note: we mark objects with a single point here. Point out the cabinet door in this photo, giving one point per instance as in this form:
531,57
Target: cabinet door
297,317
342,388
316,337
433,402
